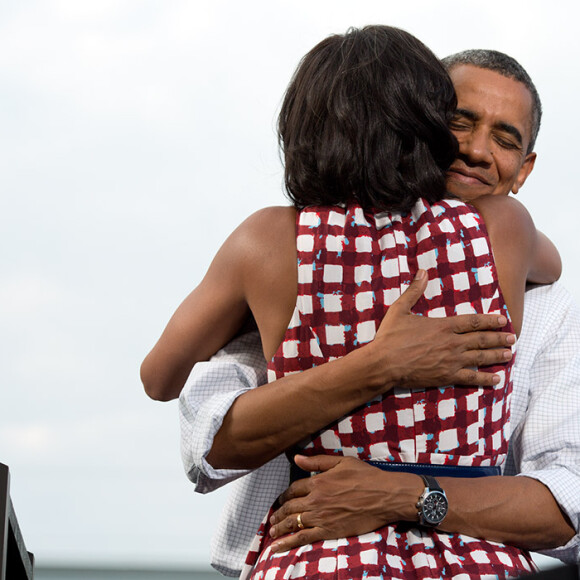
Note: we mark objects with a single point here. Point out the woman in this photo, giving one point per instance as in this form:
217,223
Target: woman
364,131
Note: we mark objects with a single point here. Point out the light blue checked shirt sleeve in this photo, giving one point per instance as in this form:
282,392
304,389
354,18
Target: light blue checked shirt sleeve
545,406
209,392
206,398
545,442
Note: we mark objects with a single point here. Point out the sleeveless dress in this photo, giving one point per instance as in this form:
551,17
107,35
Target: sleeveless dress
352,265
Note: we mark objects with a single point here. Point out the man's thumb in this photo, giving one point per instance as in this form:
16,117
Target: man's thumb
409,297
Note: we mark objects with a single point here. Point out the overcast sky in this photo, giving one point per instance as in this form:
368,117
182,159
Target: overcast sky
134,135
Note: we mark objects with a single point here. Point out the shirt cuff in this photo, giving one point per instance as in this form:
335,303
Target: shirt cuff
198,430
564,485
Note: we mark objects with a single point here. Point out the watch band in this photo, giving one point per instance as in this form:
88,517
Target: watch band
431,483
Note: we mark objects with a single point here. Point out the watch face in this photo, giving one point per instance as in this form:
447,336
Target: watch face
434,507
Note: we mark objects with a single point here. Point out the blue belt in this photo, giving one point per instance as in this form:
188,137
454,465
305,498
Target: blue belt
417,468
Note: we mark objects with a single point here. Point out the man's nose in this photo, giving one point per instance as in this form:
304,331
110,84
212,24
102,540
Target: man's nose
476,147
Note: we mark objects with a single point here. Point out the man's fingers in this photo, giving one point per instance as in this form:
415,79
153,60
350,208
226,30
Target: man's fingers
409,297
473,378
470,360
473,322
485,358
301,538
285,521
486,340
290,508
485,348
317,462
302,487
299,488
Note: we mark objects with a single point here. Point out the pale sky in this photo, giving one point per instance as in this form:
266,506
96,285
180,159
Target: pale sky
135,135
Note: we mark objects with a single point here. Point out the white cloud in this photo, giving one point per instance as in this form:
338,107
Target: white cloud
27,294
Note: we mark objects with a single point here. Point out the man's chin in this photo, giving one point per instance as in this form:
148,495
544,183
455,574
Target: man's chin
468,192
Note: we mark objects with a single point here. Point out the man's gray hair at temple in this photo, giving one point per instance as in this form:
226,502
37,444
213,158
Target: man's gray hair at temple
506,66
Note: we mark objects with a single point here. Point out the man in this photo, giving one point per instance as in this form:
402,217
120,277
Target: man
496,124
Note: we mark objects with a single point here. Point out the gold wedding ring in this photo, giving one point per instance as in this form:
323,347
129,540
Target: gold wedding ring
299,522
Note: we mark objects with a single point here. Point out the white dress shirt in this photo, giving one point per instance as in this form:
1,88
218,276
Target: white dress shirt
545,422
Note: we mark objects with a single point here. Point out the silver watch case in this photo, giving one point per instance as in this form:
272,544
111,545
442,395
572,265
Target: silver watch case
432,506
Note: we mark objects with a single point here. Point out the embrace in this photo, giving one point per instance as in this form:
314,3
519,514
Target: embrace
400,434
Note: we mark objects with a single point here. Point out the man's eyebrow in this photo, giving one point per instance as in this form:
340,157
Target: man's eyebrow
467,113
506,127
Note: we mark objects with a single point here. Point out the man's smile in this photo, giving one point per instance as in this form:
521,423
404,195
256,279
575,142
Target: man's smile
465,175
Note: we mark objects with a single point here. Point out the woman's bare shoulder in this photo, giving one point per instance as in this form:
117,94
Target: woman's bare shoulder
270,219
266,230
503,210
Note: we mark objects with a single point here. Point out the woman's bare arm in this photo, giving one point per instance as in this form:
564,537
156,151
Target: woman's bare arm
521,253
547,265
205,321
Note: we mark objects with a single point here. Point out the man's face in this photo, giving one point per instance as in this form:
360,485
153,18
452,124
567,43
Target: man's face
493,127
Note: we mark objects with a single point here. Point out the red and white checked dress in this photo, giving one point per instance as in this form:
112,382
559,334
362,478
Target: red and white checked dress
352,265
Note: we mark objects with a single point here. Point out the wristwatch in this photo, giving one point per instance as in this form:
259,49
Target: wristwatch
432,504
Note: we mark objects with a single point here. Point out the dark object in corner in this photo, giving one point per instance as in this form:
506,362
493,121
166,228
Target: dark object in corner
15,562
569,572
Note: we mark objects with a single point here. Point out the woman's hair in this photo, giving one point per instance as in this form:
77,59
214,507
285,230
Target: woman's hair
365,119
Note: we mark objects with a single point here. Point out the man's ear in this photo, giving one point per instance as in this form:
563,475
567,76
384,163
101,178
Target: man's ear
524,171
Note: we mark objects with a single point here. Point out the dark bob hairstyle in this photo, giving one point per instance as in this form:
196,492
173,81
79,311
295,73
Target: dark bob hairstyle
365,119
